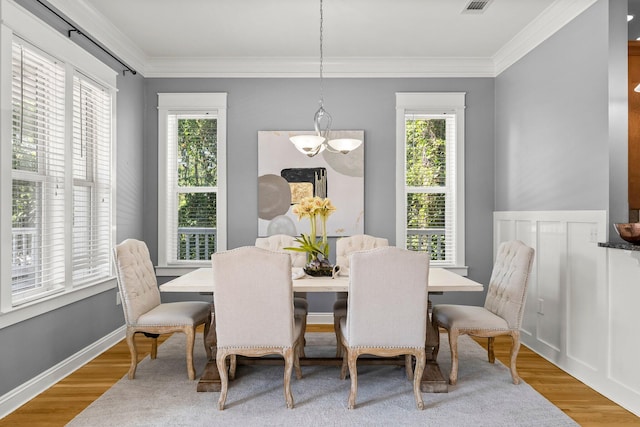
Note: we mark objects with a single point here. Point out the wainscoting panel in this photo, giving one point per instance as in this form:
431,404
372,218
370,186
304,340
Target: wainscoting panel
582,303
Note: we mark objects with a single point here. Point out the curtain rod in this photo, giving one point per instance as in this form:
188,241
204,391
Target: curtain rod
75,29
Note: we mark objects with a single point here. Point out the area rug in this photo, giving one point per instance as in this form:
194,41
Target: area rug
161,395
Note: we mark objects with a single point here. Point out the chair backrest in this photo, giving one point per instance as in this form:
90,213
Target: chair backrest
388,298
277,242
507,291
253,298
137,282
345,246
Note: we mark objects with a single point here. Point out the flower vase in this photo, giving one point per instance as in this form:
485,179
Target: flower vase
319,268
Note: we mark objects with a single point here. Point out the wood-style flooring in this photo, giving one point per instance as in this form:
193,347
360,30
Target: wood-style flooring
59,404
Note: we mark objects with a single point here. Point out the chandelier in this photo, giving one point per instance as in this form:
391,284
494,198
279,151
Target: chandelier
311,145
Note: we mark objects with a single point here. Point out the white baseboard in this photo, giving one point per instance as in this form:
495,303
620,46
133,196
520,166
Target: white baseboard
320,319
17,397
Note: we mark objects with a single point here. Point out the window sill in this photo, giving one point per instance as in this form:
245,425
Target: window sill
179,270
60,299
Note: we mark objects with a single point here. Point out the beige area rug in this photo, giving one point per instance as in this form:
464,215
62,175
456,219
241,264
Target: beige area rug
161,395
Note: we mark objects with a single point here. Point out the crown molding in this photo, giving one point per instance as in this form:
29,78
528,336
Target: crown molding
546,24
308,67
554,17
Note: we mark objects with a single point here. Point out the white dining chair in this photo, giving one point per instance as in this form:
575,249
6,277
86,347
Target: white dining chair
502,311
385,320
254,312
145,313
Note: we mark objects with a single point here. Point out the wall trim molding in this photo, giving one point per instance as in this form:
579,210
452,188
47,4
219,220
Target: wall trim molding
17,397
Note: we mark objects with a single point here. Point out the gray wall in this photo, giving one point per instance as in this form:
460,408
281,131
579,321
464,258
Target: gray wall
561,120
369,104
35,345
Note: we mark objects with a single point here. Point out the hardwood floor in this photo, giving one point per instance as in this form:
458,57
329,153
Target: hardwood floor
59,404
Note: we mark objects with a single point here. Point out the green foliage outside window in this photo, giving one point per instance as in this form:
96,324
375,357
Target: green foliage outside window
197,167
426,167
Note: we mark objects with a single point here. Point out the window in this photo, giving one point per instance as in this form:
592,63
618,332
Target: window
192,191
430,196
61,182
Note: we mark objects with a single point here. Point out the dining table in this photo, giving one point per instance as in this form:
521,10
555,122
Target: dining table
441,280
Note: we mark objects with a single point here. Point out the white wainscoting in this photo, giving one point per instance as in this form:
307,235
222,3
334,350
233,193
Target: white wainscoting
581,312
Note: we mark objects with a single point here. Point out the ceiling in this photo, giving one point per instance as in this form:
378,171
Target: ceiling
281,38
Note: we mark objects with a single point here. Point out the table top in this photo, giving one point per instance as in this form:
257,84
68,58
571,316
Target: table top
440,280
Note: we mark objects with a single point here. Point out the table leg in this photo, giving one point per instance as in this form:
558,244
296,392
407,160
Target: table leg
432,379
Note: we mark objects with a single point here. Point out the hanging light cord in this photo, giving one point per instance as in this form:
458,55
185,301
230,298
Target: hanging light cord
321,56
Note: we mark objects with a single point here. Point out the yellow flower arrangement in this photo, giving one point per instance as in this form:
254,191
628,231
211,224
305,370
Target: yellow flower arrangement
312,208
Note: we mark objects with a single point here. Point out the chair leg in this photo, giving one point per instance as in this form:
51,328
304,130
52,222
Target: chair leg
288,367
190,332
453,343
515,347
336,328
131,342
421,360
343,369
490,354
303,341
408,366
352,358
296,358
154,347
221,357
207,347
233,364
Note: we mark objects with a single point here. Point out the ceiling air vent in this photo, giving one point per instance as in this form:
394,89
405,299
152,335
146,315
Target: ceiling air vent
476,6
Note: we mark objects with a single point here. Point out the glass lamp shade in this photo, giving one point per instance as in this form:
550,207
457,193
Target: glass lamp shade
344,145
308,144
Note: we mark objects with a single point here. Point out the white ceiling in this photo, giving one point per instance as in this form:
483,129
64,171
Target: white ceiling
281,37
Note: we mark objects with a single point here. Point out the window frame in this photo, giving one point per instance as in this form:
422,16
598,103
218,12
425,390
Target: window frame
16,22
183,104
427,103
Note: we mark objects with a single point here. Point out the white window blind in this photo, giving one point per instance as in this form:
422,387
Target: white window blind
91,180
38,172
430,176
61,176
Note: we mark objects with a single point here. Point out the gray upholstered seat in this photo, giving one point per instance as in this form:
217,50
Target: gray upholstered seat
345,246
143,310
254,311
386,320
502,311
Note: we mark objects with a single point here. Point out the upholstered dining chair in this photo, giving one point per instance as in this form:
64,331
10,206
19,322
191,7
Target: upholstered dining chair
277,243
143,310
502,311
254,311
386,320
345,246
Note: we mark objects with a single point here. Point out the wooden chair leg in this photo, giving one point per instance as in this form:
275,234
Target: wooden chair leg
296,358
343,369
352,358
421,359
408,366
288,367
131,343
232,367
336,328
190,332
207,347
303,342
453,343
221,357
154,347
490,354
515,347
